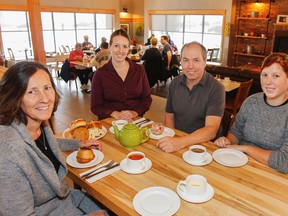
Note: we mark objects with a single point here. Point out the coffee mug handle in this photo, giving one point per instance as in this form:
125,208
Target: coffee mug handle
182,185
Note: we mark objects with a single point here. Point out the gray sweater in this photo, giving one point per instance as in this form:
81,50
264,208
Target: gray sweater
266,127
29,184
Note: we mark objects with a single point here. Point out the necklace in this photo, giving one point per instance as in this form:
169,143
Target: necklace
43,137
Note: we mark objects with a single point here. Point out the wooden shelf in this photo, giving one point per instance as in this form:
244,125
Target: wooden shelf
250,18
249,55
251,37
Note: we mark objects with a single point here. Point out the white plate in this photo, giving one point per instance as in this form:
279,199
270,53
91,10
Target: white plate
186,158
123,166
197,199
111,129
167,132
156,201
103,128
72,160
230,157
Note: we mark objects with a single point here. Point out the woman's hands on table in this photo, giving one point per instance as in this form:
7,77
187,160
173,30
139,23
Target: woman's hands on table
128,115
96,144
222,142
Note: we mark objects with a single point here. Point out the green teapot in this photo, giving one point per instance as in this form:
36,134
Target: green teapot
131,135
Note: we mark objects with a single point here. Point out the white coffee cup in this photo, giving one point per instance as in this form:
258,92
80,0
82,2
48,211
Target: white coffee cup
136,160
194,185
197,153
226,79
120,123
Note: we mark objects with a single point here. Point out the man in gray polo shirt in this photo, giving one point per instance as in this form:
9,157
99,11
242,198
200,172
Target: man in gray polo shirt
195,102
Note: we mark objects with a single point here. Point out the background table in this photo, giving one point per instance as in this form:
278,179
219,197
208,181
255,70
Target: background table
253,189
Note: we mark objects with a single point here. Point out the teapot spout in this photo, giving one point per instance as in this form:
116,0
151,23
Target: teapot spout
116,131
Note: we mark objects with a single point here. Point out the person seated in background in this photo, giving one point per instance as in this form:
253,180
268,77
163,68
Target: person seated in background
120,88
261,129
195,102
103,39
81,71
152,63
172,44
32,170
100,59
87,45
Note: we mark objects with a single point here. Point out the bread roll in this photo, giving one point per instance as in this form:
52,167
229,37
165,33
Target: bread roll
85,155
81,133
77,123
94,124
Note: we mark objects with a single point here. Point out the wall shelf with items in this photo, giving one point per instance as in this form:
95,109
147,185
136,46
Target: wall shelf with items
251,33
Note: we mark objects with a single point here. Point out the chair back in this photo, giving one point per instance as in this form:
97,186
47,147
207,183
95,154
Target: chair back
226,124
11,54
242,94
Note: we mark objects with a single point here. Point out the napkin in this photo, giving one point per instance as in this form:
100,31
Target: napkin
100,175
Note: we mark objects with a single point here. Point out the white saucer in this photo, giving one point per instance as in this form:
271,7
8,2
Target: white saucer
197,199
167,132
123,166
186,158
111,129
72,160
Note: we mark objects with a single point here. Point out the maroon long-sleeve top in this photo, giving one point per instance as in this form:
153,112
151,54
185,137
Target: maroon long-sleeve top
110,93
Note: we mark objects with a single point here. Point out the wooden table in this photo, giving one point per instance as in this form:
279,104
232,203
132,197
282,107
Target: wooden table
80,63
253,189
230,86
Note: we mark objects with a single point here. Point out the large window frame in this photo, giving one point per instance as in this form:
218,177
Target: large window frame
182,32
17,8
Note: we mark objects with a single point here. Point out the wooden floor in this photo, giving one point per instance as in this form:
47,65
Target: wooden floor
76,104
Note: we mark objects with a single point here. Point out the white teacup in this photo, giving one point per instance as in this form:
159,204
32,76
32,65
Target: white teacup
136,160
197,153
194,185
226,79
120,123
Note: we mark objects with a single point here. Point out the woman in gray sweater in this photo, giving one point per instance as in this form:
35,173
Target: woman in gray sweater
32,170
261,126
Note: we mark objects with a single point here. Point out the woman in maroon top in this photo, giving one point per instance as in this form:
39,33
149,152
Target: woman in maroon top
120,88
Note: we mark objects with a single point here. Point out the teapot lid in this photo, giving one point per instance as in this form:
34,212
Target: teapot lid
130,126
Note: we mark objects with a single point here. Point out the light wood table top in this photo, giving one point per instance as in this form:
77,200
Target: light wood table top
253,189
230,85
80,63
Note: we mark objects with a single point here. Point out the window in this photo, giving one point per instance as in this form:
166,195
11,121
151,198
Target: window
68,28
15,32
184,28
58,29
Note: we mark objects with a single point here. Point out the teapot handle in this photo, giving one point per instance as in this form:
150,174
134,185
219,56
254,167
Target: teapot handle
145,134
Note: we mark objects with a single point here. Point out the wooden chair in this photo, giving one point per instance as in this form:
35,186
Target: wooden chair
226,124
242,93
11,54
212,54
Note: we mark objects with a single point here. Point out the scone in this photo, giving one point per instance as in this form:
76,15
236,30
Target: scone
94,133
85,155
81,133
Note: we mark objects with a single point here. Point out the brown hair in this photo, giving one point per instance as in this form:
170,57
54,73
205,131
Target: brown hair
13,86
203,49
280,58
164,37
119,32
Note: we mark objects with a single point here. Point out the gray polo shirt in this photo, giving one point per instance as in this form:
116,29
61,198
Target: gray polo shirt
190,108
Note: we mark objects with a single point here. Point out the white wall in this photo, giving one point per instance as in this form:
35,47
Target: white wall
190,5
